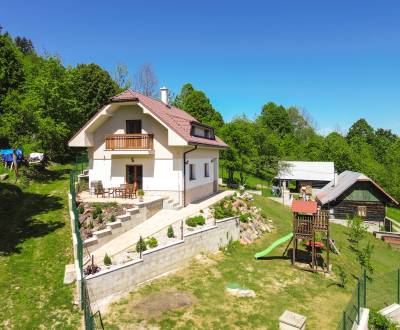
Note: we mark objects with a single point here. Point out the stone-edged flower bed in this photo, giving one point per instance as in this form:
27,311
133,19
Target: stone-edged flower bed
252,222
95,216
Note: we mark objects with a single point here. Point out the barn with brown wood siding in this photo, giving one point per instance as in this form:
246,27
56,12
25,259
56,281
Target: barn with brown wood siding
354,194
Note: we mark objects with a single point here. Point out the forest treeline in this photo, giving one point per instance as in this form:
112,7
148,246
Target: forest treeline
43,103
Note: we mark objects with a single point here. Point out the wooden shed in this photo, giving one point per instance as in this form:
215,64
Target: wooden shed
352,194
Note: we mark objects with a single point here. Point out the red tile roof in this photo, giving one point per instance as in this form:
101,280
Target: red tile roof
301,206
176,119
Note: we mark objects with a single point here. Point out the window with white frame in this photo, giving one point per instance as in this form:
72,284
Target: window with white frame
206,170
192,172
362,211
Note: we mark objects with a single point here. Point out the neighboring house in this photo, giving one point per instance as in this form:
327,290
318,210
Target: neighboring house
352,194
314,174
159,148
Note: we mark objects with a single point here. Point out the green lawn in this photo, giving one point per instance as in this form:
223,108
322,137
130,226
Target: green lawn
394,213
278,287
251,181
35,246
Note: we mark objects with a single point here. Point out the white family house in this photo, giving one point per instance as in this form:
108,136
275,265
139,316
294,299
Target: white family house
161,149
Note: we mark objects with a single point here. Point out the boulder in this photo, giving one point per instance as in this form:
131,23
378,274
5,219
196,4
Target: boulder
70,274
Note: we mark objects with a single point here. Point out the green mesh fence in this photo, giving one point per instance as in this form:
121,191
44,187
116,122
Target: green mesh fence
92,321
374,291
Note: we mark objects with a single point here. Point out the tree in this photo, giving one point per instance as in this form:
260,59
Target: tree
25,45
92,88
238,135
276,119
145,80
121,77
11,68
336,149
198,105
360,131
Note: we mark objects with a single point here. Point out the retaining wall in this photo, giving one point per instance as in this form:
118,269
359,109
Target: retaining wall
134,217
109,284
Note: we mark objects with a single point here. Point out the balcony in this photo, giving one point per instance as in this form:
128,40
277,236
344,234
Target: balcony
129,142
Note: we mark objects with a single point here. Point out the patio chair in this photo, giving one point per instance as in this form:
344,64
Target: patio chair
100,190
92,187
130,191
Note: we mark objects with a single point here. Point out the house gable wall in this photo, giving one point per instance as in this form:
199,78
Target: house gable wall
162,169
360,194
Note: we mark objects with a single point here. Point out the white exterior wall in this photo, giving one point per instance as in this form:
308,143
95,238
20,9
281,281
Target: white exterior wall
162,168
202,186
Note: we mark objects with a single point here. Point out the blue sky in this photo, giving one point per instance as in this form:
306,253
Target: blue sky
339,60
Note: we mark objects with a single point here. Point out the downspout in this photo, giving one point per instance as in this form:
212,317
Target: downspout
184,174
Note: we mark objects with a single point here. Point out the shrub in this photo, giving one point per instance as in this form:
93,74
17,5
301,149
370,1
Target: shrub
81,208
170,232
112,218
342,277
91,269
90,225
223,210
140,193
244,217
379,322
364,257
196,221
100,218
107,260
141,245
152,242
357,229
97,211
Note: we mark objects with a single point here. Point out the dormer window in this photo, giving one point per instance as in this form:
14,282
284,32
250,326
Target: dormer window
202,131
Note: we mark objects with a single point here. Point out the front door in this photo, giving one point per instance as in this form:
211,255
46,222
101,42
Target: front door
134,175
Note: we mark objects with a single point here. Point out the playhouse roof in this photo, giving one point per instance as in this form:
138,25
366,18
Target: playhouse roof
307,207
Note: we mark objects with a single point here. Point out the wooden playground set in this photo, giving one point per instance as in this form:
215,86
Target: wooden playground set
311,226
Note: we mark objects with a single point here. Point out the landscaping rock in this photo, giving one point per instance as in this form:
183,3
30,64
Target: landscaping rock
238,292
3,176
70,274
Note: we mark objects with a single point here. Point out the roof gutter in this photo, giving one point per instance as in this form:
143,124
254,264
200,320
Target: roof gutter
184,173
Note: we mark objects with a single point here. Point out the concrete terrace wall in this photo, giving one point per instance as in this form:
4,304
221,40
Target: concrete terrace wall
109,284
131,219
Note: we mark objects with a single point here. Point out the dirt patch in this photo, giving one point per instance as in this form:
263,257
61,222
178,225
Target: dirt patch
154,305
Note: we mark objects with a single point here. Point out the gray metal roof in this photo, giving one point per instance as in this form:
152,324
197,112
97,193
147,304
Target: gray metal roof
307,171
344,181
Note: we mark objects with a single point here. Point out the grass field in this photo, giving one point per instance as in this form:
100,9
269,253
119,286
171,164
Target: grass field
251,181
278,286
35,246
393,213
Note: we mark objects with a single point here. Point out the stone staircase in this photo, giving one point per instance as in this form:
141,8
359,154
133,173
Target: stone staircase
171,204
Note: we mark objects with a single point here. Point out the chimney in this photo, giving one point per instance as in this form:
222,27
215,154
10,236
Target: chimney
164,95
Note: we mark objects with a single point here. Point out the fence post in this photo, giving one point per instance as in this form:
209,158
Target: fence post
398,286
365,289
344,320
182,230
358,301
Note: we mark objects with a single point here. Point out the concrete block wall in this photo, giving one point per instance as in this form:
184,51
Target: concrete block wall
108,284
133,217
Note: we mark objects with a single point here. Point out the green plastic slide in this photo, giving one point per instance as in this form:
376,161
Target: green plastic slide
273,246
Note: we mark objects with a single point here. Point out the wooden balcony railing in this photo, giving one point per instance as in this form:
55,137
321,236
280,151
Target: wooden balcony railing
129,141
